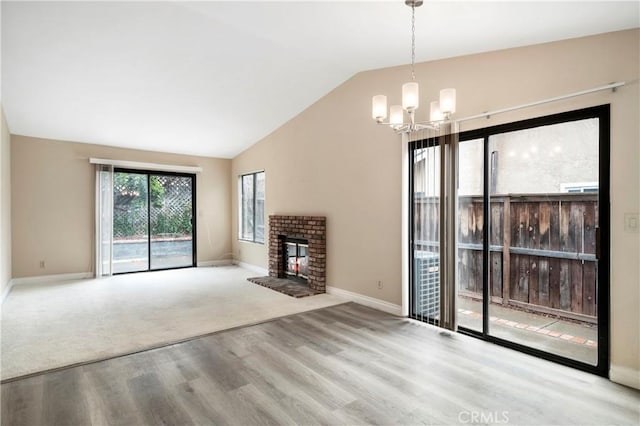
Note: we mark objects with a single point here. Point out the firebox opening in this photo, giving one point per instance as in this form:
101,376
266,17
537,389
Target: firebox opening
296,258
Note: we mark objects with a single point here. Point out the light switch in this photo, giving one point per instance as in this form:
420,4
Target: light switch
631,222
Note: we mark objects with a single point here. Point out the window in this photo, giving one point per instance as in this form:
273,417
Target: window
251,188
579,187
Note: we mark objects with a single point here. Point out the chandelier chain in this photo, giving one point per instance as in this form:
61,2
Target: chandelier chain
413,42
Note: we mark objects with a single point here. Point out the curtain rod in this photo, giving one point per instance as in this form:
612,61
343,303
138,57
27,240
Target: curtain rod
612,86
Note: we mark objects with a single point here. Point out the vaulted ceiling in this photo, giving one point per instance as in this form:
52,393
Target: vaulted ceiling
213,78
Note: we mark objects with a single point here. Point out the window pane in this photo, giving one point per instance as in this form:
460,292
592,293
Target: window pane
470,234
130,222
546,160
247,207
545,182
259,217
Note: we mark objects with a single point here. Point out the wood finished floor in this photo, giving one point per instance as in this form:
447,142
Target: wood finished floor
346,364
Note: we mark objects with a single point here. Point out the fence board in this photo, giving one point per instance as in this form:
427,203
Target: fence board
565,286
464,221
543,282
478,222
576,222
477,258
463,269
506,255
576,286
589,228
533,280
554,283
497,216
554,226
520,265
533,228
566,242
589,288
544,224
496,274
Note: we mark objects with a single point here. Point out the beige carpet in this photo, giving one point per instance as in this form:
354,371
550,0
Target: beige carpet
53,325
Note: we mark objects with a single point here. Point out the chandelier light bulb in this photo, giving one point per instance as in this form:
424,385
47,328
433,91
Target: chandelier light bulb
396,116
448,101
379,107
435,113
410,96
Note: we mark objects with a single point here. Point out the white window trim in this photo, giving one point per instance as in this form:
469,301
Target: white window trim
244,240
565,187
146,166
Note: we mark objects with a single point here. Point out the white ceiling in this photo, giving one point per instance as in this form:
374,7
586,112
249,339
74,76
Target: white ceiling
213,78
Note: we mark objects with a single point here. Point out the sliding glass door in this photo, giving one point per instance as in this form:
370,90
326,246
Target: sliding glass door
532,264
153,221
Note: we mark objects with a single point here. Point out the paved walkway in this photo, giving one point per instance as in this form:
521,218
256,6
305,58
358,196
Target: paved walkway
569,339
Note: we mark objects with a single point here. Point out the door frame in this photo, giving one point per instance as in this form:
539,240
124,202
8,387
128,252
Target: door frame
194,244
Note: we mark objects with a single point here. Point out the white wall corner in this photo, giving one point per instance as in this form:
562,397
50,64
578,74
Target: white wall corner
625,376
6,291
41,279
371,302
224,262
253,268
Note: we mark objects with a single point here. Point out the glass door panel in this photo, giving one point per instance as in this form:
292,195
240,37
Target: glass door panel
171,218
130,222
544,206
471,224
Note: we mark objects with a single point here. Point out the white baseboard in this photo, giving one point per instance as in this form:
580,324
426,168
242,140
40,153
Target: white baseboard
6,291
371,302
226,262
41,279
625,376
257,269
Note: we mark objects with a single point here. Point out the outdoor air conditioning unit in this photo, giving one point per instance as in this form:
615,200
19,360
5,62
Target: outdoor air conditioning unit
427,279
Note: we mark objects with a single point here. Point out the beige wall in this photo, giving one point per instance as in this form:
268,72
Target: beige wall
5,206
53,188
333,160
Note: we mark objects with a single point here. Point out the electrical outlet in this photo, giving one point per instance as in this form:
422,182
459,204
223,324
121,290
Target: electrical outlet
42,264
631,222
380,284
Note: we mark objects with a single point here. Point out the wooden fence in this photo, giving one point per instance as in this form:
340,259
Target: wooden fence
542,251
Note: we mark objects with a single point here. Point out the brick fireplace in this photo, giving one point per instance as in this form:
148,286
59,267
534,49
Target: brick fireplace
309,228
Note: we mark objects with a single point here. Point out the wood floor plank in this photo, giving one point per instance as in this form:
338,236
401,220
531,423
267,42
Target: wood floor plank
298,404
108,398
347,364
211,360
67,411
279,363
22,402
155,403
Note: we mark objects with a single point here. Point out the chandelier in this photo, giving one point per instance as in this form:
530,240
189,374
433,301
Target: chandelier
440,111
